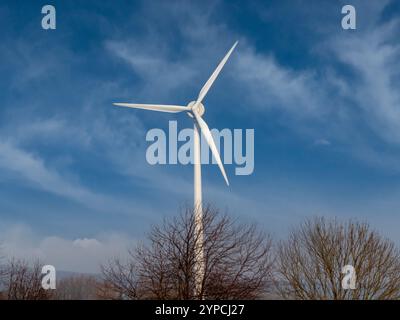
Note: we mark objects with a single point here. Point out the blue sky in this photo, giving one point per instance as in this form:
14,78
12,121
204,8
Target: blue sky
75,187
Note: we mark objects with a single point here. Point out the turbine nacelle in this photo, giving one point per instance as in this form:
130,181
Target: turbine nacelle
197,107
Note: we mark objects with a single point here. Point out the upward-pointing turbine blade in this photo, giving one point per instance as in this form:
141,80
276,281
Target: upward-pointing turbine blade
214,76
209,138
153,107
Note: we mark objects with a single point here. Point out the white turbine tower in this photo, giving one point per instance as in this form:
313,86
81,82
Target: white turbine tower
195,109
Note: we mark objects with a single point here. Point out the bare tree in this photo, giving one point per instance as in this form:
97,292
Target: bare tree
237,259
76,287
310,262
22,281
120,281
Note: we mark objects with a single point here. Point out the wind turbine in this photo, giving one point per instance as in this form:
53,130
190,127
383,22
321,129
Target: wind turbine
195,110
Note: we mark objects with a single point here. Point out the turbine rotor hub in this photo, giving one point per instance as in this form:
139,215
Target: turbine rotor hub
200,109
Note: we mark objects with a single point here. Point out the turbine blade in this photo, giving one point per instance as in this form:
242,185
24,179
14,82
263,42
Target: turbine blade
209,138
214,76
153,107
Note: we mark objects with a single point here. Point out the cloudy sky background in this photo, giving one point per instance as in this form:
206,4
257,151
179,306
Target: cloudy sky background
75,188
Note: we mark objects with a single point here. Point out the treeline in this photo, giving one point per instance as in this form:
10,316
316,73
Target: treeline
320,259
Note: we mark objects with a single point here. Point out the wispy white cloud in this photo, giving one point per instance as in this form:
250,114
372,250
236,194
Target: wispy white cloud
270,85
158,75
374,57
34,171
358,109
